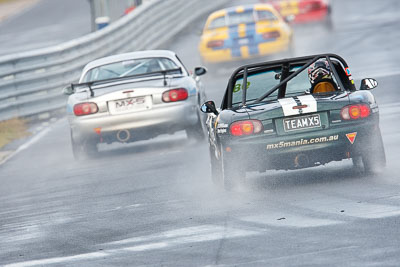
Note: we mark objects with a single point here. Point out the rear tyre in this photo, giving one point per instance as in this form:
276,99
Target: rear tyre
216,168
291,48
83,150
328,20
233,174
374,158
358,164
76,150
196,132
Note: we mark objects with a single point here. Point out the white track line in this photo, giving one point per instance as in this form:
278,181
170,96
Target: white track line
162,240
32,141
86,256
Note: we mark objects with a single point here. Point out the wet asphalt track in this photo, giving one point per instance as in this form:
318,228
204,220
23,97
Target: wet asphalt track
152,203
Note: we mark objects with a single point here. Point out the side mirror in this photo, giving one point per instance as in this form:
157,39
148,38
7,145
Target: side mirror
198,71
289,19
209,107
368,84
68,90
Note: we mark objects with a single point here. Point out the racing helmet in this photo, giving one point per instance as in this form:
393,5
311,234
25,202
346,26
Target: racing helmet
319,70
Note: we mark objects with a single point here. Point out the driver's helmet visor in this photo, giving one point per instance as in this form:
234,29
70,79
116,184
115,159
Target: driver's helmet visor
319,73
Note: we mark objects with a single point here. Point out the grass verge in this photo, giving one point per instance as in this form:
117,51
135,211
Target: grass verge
5,1
11,130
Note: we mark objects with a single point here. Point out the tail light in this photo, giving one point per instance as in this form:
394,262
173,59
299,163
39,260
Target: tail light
271,35
354,112
175,95
215,43
247,127
87,108
312,6
315,6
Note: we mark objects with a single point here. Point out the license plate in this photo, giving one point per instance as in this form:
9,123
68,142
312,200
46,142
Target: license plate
243,41
132,104
303,122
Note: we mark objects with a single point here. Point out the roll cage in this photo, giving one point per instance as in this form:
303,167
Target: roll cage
336,64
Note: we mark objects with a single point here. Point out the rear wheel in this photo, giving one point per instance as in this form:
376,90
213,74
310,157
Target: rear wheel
358,163
374,158
216,168
232,172
83,150
196,132
328,20
291,48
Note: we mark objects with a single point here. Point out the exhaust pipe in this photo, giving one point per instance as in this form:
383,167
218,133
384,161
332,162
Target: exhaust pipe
123,135
301,161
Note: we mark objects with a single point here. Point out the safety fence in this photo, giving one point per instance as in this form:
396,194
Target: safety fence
31,82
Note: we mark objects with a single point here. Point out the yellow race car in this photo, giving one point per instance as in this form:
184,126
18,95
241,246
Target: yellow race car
244,32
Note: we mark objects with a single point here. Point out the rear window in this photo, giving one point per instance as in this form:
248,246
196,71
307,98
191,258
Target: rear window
235,18
129,67
218,22
265,15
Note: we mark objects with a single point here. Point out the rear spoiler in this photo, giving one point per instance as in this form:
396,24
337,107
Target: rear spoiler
116,79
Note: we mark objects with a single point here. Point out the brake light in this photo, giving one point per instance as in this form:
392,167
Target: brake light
354,112
271,35
86,108
215,43
175,95
247,127
315,6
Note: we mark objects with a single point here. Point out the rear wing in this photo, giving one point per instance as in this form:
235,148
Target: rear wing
284,64
124,78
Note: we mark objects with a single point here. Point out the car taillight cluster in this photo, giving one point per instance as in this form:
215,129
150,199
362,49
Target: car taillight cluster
315,6
215,43
247,127
354,112
87,108
175,95
271,35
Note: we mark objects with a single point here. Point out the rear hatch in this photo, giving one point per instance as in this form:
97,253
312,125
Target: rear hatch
245,30
300,114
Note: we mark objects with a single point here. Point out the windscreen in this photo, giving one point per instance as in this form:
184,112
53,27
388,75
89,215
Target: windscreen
128,68
257,85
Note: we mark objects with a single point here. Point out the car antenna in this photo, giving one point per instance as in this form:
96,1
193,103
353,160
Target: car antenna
165,80
91,90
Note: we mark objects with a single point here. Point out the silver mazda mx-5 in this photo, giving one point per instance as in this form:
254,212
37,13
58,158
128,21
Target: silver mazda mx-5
133,96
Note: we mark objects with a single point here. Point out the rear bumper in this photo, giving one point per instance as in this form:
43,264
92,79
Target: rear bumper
312,16
146,124
284,152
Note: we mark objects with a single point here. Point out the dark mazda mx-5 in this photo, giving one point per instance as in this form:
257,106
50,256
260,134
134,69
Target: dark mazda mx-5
290,114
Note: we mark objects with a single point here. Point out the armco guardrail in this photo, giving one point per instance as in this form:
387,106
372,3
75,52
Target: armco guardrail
31,82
